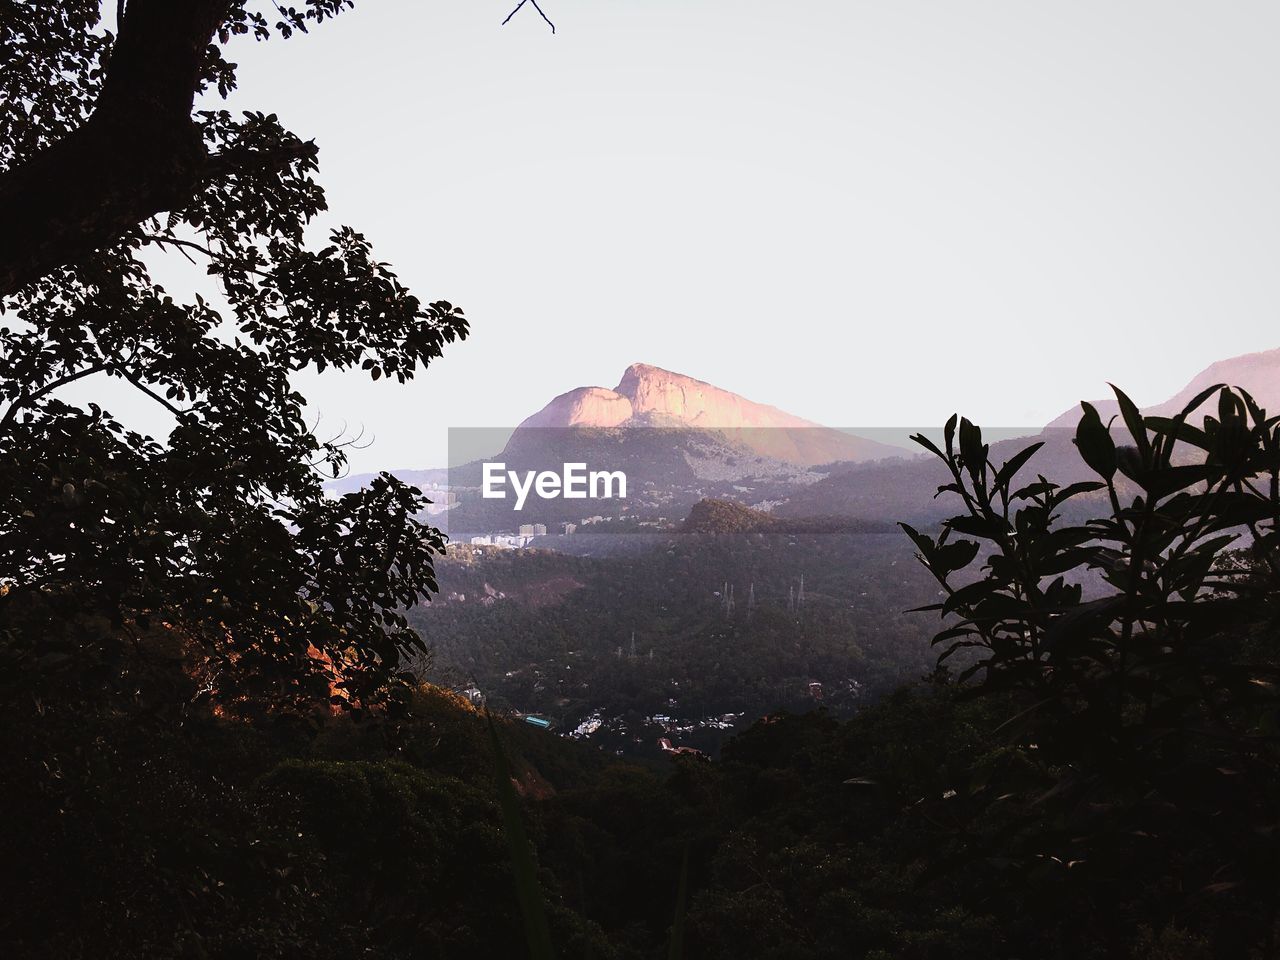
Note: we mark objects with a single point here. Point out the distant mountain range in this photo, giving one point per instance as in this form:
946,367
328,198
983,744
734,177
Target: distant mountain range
683,440
1258,373
904,489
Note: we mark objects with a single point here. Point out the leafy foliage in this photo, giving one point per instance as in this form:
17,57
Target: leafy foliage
1143,748
222,530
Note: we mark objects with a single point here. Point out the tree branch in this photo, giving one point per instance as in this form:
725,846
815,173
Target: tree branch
138,154
130,378
27,397
536,7
182,245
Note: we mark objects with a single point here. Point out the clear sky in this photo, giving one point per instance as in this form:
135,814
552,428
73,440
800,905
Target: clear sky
866,213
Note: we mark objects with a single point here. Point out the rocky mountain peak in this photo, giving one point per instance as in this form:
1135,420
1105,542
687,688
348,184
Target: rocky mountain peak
651,396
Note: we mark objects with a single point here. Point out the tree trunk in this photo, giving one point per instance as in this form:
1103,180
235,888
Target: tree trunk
137,155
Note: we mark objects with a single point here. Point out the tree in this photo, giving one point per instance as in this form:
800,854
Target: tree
220,536
1138,652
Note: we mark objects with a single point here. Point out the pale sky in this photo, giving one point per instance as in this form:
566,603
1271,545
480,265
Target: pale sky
865,213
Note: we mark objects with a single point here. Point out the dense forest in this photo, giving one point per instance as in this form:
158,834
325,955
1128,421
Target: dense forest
691,627
215,742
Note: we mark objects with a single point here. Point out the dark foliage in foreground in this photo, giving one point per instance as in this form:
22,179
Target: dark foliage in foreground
1028,814
222,530
1143,750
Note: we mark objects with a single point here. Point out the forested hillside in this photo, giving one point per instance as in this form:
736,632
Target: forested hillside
688,629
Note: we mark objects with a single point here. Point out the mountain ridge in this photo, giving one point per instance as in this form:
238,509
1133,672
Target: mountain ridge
1258,373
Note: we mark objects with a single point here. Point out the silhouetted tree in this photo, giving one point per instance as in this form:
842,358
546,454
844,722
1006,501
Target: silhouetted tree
220,531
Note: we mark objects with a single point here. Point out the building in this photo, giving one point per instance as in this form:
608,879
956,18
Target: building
502,540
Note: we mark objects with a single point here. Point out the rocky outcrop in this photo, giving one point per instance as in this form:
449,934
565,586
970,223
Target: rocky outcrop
583,407
663,394
648,396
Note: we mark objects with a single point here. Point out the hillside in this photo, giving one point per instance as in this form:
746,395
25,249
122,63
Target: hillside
724,516
727,517
1258,373
904,489
668,637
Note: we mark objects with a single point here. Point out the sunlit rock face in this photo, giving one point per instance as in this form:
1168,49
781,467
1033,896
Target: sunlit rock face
648,396
673,396
583,407
659,396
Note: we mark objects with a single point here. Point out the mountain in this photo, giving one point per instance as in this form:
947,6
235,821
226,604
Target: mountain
904,490
676,439
648,396
1258,373
681,441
